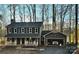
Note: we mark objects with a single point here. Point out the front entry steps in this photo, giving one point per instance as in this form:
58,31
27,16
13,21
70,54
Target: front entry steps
30,48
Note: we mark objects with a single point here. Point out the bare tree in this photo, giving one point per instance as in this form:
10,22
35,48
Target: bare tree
29,10
1,18
10,9
43,11
34,12
47,16
20,13
24,12
14,6
70,17
1,25
63,12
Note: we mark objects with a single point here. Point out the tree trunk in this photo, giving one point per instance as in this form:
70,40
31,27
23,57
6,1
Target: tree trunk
70,10
43,6
61,25
10,11
24,12
76,22
54,18
28,7
34,13
20,14
14,12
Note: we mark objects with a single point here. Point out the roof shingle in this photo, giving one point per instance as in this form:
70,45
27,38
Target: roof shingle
25,24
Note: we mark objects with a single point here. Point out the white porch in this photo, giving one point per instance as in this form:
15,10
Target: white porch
22,41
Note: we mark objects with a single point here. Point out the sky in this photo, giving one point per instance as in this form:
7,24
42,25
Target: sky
4,10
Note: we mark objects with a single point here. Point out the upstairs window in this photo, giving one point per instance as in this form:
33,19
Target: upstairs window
22,30
15,30
30,30
9,30
36,30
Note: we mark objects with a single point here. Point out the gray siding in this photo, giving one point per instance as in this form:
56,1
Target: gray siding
26,30
26,27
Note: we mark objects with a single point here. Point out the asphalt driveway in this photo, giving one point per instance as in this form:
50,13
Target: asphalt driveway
42,50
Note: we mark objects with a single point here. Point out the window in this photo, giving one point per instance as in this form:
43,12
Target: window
15,30
36,30
30,30
9,30
22,30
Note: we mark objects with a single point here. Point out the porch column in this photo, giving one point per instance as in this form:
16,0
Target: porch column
36,42
25,42
5,41
15,41
20,41
64,42
11,43
46,42
8,41
39,41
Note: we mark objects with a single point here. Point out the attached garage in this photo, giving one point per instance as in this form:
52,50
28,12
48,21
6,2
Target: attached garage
54,38
54,42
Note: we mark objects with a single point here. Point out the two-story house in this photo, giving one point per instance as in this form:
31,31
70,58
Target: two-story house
24,33
32,34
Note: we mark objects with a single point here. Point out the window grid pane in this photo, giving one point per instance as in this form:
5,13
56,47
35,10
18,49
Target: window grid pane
30,30
36,30
22,30
15,30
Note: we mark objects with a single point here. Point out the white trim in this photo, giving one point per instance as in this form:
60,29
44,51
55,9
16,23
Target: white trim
9,30
15,42
53,32
22,30
36,30
47,33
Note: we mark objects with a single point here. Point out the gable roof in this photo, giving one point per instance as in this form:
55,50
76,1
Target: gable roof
54,33
45,32
25,24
